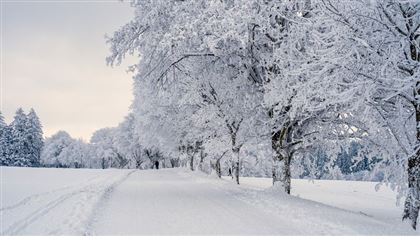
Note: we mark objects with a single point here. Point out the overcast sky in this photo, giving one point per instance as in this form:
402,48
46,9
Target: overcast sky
53,59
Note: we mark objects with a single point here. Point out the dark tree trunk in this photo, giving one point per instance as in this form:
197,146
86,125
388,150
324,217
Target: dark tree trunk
281,171
174,162
218,168
412,202
103,163
236,167
275,146
287,181
282,157
192,162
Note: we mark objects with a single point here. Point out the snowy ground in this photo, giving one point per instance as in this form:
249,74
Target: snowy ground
176,201
355,196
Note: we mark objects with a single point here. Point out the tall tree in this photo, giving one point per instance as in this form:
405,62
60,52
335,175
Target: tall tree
34,138
385,36
19,146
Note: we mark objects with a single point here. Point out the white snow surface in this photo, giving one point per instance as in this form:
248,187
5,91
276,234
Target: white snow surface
177,201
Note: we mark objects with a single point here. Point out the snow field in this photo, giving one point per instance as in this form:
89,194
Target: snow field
51,201
177,201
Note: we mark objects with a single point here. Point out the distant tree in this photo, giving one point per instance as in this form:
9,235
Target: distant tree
2,122
19,146
23,140
34,138
104,146
127,143
76,154
4,142
51,154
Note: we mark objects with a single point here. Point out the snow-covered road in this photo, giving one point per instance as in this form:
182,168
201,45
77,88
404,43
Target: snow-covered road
180,202
171,201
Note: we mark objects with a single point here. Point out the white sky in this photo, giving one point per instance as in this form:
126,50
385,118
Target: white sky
53,59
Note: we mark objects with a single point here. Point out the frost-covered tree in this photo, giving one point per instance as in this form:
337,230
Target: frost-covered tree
296,49
176,57
127,142
25,139
385,37
288,77
2,122
4,141
76,154
230,111
103,147
19,145
52,153
34,138
63,151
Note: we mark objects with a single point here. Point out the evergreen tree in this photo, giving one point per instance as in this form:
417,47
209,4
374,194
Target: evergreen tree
19,146
34,138
2,122
6,141
3,143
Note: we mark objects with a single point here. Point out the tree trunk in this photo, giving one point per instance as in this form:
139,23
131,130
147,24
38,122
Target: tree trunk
275,146
275,172
174,162
218,168
412,202
192,162
281,171
236,164
281,161
202,156
103,163
287,181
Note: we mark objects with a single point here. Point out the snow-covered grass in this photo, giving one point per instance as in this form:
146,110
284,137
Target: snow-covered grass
356,196
177,201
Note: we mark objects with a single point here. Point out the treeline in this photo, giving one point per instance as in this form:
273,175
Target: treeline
21,141
119,147
22,145
108,148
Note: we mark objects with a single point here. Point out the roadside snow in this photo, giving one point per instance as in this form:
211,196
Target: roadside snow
355,196
177,201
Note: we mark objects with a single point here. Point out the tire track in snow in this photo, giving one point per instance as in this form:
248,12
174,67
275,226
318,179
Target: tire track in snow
32,197
18,226
34,216
100,205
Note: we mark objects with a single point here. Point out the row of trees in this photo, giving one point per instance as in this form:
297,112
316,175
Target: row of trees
119,147
21,141
236,80
116,147
22,144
